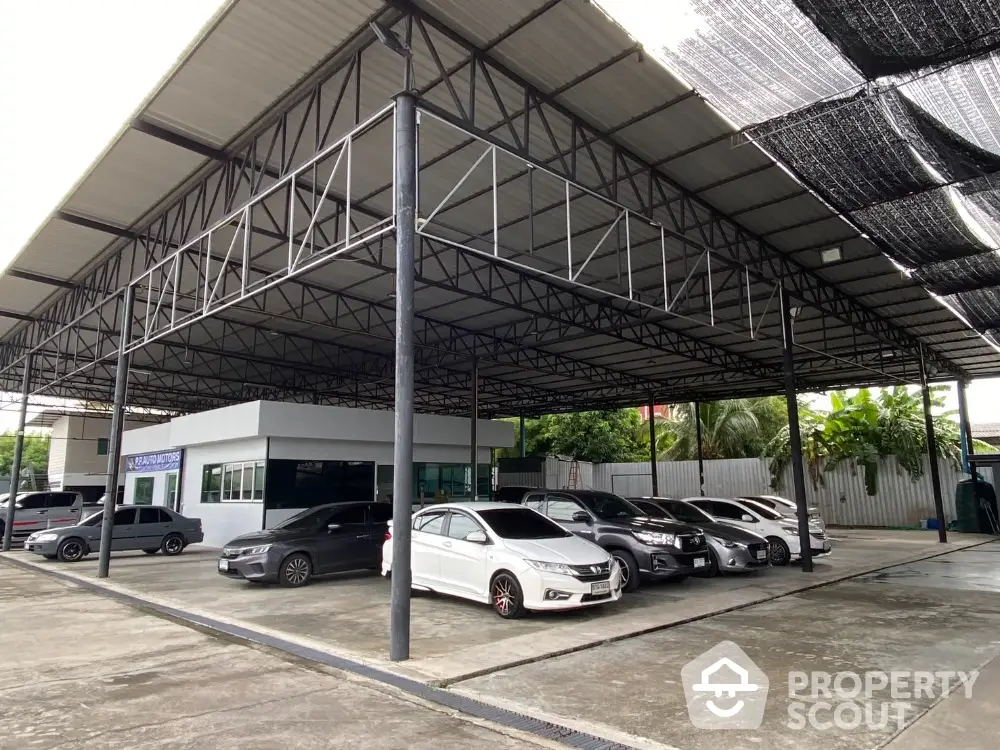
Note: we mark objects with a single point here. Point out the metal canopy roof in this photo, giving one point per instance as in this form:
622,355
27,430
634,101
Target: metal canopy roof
539,120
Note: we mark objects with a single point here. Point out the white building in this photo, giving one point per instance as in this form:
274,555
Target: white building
249,466
78,449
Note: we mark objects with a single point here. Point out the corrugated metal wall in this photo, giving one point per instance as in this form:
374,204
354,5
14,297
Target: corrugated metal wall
899,502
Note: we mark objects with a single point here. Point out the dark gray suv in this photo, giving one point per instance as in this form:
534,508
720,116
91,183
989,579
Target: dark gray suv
644,547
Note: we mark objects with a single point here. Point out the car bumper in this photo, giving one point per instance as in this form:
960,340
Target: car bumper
538,589
739,559
42,548
248,568
660,564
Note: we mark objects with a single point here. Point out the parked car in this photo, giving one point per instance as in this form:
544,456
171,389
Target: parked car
781,532
649,548
150,528
36,511
508,556
510,494
733,550
787,507
330,538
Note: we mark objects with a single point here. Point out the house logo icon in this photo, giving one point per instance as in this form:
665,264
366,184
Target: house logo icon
725,689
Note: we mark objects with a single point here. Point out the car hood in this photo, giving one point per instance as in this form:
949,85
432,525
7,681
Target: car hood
61,531
644,523
267,536
730,533
571,550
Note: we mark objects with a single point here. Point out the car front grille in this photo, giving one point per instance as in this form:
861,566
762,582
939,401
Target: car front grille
597,572
691,542
756,547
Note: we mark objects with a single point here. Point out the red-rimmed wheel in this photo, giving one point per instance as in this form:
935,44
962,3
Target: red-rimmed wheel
506,596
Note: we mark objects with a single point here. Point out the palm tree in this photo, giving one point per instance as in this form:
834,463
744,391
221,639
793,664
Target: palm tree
738,428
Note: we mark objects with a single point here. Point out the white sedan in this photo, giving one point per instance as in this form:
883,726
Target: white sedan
509,556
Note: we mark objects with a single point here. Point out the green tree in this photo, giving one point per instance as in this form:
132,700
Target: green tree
865,429
738,428
35,453
597,436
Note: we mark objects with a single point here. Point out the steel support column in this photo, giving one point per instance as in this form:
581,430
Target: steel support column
115,440
15,467
965,430
794,437
932,454
402,458
524,440
473,431
652,447
701,456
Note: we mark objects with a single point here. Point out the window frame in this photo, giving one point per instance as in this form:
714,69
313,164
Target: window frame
549,497
442,514
232,488
451,515
103,446
135,490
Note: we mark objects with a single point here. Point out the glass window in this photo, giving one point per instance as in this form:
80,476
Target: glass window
236,471
650,509
761,510
62,499
430,523
142,491
171,499
607,506
248,481
687,513
258,480
125,517
306,484
535,502
381,512
561,509
150,515
461,526
102,446
353,516
304,521
211,484
727,511
521,523
31,502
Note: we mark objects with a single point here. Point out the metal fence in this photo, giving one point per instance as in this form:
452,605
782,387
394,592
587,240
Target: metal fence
841,500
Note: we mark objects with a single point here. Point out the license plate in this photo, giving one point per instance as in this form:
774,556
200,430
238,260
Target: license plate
699,562
604,587
224,565
762,554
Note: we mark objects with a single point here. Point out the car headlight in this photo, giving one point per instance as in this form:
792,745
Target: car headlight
43,537
655,538
729,544
551,567
790,530
256,550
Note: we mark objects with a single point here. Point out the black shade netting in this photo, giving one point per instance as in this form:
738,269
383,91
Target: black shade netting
960,275
885,37
952,156
920,229
981,307
847,151
753,59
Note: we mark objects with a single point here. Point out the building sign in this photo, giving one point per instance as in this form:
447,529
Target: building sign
165,461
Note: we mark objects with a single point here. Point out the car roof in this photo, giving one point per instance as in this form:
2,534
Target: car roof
473,506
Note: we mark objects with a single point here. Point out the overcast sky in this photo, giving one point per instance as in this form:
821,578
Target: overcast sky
71,74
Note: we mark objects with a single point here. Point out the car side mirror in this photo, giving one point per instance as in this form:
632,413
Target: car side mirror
478,537
748,518
333,527
582,516
18,506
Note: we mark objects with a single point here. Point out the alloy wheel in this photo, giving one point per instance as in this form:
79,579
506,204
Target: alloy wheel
173,545
624,570
72,551
503,596
777,554
297,571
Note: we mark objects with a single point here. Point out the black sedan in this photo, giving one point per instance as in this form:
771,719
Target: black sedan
325,539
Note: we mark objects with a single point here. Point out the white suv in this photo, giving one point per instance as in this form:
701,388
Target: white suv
37,511
781,531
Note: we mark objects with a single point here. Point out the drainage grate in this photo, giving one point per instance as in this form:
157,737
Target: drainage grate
545,729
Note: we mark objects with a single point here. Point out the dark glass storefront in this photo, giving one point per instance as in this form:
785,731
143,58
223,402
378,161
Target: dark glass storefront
303,484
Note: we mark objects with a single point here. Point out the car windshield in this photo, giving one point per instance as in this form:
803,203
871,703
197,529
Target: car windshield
650,509
94,520
522,523
762,510
6,496
608,507
687,513
307,519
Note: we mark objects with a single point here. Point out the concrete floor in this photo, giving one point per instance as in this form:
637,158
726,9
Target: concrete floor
81,672
452,639
938,614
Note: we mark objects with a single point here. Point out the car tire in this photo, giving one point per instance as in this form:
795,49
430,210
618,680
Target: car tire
296,570
71,550
151,550
172,545
506,596
778,552
629,568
